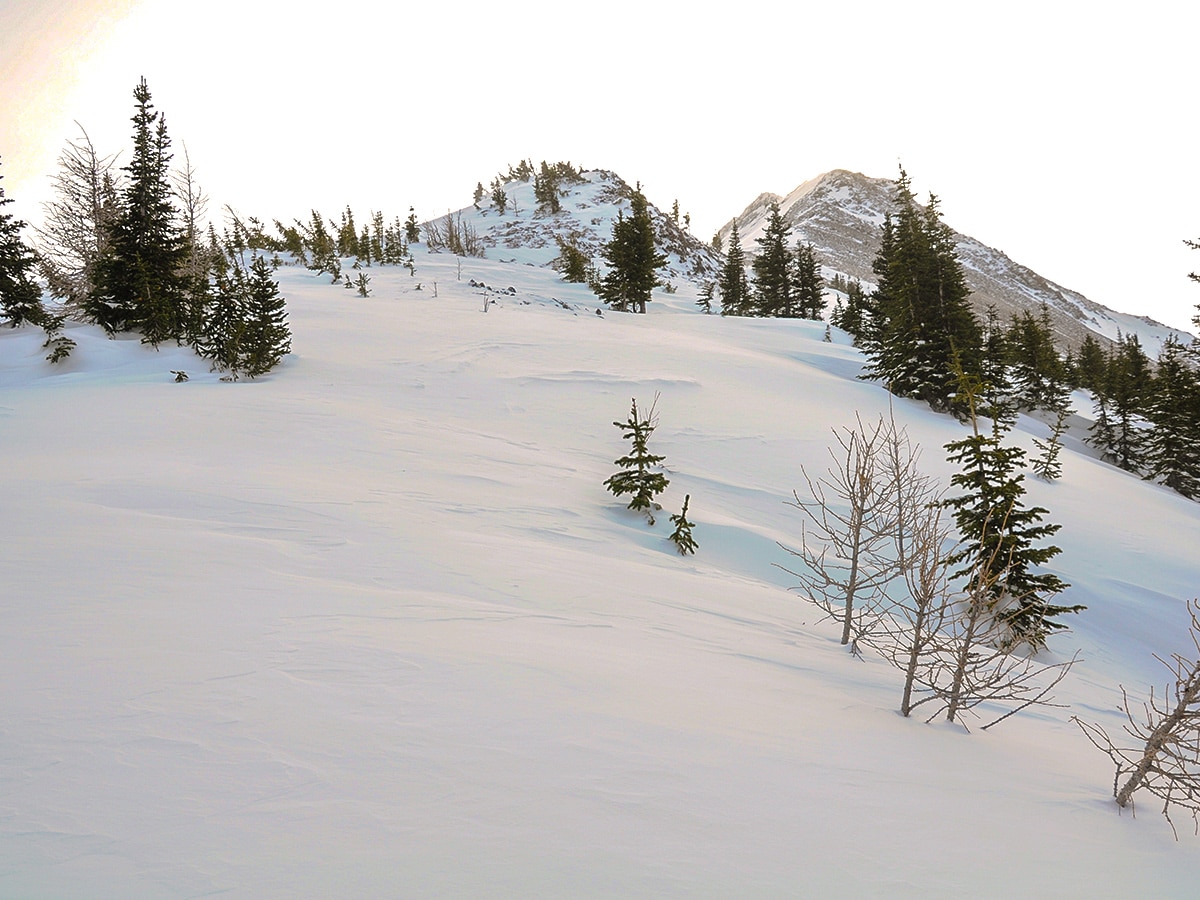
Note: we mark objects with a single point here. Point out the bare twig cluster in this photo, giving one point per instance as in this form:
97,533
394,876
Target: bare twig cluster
451,233
1162,754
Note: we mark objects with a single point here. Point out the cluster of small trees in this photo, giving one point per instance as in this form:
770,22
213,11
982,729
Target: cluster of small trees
948,606
641,476
787,281
549,184
321,243
1147,416
127,251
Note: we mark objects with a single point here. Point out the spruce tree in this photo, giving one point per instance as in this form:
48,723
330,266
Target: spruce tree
633,259
636,477
999,534
20,296
1126,388
139,281
772,269
1090,365
267,338
925,333
681,537
808,288
732,283
1172,447
1039,379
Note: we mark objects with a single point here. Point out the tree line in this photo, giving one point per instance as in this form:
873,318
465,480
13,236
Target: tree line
127,249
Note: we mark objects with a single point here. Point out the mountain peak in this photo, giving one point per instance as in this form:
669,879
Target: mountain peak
841,214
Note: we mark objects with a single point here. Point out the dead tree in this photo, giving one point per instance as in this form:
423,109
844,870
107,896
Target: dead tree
847,546
1165,759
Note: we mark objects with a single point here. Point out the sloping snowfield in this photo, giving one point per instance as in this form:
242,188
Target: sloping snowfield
372,627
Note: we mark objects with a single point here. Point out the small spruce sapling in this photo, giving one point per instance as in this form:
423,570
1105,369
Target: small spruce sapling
681,537
636,477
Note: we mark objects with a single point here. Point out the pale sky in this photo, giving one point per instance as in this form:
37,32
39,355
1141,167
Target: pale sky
1062,133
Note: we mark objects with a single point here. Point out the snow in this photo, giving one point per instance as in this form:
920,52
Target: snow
371,625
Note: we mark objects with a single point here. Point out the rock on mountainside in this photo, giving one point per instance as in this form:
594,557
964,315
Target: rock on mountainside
841,214
528,234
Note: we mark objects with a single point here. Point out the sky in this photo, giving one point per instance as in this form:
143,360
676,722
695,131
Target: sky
1059,132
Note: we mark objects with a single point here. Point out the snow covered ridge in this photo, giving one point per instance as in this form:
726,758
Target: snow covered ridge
841,214
524,233
371,625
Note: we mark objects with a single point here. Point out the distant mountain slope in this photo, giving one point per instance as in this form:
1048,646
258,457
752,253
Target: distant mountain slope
526,234
841,214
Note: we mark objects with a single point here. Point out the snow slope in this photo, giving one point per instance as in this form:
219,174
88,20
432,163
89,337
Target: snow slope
371,626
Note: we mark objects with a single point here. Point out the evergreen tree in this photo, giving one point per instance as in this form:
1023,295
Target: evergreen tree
139,281
573,262
1090,366
855,317
925,332
732,283
267,338
681,537
705,297
1172,446
998,535
1039,379
808,288
636,477
772,269
633,259
1047,464
412,231
1126,387
20,296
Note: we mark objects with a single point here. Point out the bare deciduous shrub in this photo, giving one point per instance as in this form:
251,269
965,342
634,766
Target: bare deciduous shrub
1164,760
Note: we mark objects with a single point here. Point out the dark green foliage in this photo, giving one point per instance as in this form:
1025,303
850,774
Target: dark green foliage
681,537
478,197
1171,450
732,283
574,262
20,296
636,477
924,333
139,285
546,189
1089,366
705,297
267,337
855,315
1047,465
772,269
245,323
999,535
633,259
412,231
499,198
1036,373
1119,429
808,288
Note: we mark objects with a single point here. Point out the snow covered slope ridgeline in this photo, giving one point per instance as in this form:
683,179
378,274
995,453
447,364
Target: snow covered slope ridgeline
371,625
528,234
841,214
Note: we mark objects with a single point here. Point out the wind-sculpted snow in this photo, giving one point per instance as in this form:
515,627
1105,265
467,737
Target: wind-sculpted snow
372,626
